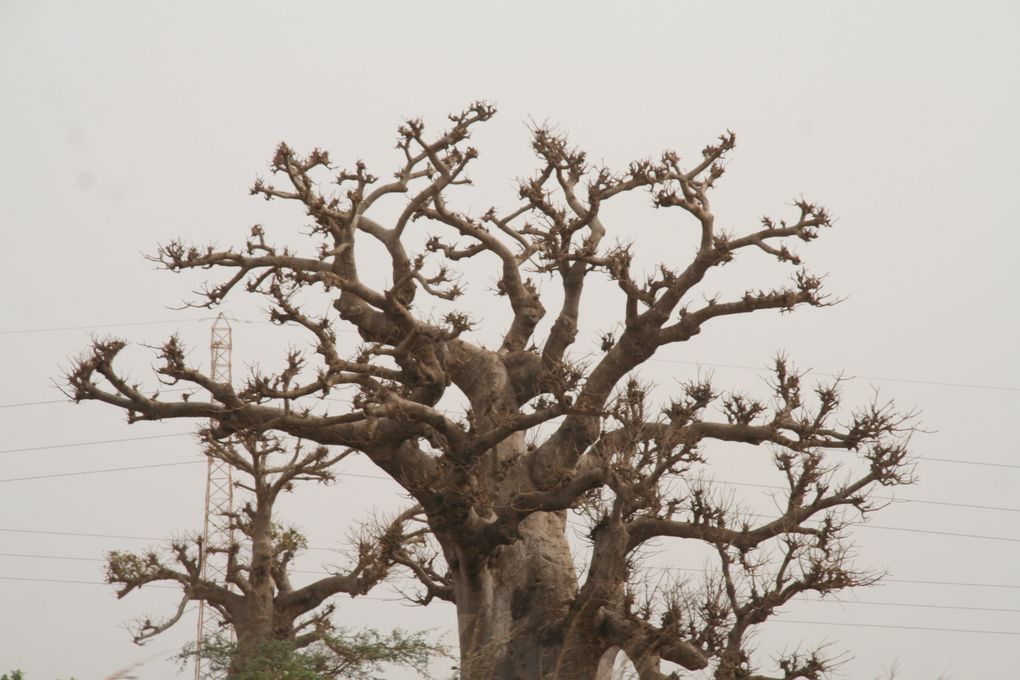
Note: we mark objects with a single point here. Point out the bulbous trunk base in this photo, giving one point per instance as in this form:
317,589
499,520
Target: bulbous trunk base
512,609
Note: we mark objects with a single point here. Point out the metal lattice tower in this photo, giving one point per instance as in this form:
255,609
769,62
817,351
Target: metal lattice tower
219,503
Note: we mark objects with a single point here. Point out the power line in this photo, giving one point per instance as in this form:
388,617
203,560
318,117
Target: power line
35,403
819,600
56,446
882,498
102,471
385,478
937,383
971,462
944,533
889,626
147,585
965,584
80,534
26,331
973,506
779,620
161,390
133,467
872,526
758,369
834,600
145,467
93,443
53,557
68,401
911,530
363,476
380,477
64,580
184,434
885,579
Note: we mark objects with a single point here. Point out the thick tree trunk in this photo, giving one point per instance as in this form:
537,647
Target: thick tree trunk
250,652
258,626
511,608
258,633
260,647
513,604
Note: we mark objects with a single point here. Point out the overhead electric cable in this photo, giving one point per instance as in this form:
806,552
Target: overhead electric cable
147,585
779,619
98,472
971,462
98,441
759,369
894,627
183,434
880,498
885,579
78,533
380,477
919,605
26,331
943,533
828,600
36,403
962,584
64,580
53,557
68,401
966,584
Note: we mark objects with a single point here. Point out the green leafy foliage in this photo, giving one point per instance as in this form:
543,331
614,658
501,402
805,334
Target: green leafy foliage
340,654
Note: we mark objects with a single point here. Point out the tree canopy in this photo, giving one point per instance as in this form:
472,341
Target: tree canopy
498,443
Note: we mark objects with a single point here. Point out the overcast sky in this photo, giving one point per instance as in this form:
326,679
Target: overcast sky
127,124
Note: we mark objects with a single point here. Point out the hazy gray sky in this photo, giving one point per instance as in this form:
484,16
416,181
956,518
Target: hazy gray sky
126,124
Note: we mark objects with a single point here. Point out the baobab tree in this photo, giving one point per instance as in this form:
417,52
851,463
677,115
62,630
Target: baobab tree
499,444
275,624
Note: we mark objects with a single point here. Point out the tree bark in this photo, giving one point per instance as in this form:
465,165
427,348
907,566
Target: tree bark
511,605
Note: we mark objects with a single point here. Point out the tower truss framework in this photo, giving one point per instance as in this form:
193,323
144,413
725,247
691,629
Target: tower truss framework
217,532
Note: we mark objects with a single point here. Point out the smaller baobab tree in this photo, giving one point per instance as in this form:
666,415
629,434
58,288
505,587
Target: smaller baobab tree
277,625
